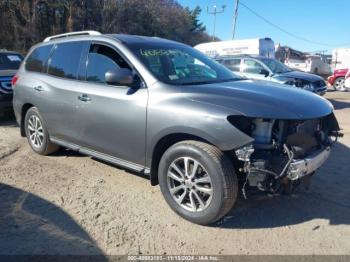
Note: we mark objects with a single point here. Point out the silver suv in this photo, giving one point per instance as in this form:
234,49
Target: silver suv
166,110
269,69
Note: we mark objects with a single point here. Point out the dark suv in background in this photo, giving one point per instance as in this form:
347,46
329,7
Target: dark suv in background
263,68
166,110
9,64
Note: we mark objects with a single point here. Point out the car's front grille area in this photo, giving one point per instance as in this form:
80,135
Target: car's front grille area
5,85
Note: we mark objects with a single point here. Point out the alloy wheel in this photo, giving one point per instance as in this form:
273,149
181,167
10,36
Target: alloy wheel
36,131
339,84
189,184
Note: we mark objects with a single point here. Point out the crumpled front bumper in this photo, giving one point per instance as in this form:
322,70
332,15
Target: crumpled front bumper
303,167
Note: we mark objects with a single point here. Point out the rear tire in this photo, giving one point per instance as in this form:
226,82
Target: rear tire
209,187
36,133
339,84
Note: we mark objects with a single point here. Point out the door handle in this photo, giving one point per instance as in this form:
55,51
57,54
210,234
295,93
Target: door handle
84,98
38,88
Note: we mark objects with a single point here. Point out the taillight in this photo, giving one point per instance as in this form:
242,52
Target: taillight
14,80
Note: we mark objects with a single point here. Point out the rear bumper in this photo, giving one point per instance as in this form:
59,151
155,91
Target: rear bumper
303,167
5,103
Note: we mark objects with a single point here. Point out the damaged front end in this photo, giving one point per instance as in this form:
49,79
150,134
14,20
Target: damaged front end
283,151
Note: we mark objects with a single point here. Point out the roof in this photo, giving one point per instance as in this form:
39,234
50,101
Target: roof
4,51
124,38
136,39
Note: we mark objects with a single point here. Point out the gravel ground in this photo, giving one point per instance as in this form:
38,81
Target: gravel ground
72,204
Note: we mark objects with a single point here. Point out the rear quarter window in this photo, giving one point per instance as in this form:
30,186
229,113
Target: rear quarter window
65,60
233,64
37,59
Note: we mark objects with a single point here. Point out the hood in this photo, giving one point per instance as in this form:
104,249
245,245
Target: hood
300,75
261,99
8,73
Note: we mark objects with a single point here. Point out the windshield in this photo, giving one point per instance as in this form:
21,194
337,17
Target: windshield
10,61
181,65
276,66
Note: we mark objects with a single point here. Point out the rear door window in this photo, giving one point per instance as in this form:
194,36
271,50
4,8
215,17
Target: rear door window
37,60
233,64
252,67
65,60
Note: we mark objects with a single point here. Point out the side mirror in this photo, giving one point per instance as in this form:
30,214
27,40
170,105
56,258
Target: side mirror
264,72
119,76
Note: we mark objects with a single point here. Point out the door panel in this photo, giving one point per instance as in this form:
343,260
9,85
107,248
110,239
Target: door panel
113,121
56,91
58,107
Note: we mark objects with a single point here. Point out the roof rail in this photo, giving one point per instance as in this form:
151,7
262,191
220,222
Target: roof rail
50,38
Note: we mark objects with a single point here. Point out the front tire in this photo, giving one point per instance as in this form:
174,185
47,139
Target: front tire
36,132
198,181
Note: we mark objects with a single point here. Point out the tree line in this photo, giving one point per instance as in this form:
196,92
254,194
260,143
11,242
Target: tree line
26,22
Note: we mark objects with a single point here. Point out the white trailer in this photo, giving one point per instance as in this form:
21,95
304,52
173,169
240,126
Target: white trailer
259,46
341,58
311,64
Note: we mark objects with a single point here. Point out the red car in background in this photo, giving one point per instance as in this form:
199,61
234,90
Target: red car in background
337,79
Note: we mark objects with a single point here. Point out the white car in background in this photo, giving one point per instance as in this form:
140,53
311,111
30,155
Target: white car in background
312,64
347,81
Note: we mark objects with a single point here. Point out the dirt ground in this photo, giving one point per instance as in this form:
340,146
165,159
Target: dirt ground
72,204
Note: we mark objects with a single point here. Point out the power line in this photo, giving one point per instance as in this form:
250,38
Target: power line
285,31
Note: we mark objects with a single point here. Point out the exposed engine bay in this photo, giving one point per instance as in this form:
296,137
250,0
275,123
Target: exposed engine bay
283,151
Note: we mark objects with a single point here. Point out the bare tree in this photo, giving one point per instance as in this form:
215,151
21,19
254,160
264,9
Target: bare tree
26,22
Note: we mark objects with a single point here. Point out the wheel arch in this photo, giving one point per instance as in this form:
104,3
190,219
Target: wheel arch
162,145
24,111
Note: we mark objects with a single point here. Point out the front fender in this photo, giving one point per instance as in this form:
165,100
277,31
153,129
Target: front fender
208,122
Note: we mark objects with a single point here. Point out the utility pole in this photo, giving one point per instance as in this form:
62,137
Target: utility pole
235,14
215,12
